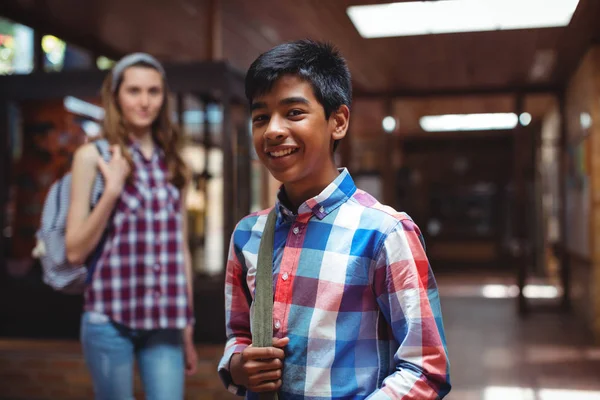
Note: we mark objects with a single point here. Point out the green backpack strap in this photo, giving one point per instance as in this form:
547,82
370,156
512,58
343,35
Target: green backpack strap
262,322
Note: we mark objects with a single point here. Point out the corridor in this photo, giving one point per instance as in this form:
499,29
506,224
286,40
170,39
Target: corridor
485,132
497,355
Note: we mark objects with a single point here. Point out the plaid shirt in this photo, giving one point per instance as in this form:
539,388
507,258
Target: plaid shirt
353,291
140,279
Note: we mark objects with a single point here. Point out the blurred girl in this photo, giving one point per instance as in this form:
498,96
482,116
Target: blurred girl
138,304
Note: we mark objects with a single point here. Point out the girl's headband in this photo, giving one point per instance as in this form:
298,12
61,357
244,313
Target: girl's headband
132,59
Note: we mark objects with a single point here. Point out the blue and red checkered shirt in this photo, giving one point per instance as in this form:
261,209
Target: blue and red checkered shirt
354,292
139,279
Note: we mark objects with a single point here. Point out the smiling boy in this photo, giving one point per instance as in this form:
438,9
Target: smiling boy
356,310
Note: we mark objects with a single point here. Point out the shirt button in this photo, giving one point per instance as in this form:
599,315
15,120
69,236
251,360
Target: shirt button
296,230
277,324
285,276
321,209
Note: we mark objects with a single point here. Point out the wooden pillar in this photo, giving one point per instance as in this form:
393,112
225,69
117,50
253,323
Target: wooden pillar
5,161
180,105
214,48
243,168
387,170
386,164
520,248
563,218
38,52
206,173
214,52
229,190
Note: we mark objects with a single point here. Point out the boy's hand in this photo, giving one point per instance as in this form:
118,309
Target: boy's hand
259,369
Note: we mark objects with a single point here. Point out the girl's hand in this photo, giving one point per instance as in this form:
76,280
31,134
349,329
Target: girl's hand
191,357
115,172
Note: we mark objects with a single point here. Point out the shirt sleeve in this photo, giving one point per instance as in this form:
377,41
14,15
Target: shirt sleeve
237,318
408,297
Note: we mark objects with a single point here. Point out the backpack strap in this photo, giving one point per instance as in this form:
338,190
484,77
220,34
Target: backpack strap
59,200
262,321
103,148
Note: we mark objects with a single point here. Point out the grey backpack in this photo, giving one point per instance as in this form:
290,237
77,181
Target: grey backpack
57,271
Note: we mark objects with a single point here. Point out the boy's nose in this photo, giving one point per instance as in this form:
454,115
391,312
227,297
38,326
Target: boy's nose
275,130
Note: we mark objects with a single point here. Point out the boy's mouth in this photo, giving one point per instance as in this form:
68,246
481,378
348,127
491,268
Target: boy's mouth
282,153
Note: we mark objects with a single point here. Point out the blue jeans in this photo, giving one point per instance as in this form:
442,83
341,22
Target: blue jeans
110,349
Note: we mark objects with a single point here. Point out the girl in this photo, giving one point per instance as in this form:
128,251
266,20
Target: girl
138,304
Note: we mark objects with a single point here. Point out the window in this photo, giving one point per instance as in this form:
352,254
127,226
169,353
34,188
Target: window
54,53
59,55
16,48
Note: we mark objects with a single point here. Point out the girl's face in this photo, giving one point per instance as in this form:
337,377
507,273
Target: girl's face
140,97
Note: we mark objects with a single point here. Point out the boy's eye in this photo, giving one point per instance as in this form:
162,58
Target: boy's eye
295,113
259,118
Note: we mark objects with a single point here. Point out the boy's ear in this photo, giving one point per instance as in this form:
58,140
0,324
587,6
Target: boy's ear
339,121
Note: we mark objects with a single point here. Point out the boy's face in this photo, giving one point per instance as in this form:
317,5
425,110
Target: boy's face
291,135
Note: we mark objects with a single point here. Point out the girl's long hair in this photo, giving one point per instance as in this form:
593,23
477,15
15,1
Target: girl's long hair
165,134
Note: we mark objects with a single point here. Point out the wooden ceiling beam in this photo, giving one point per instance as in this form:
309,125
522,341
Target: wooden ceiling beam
582,31
458,92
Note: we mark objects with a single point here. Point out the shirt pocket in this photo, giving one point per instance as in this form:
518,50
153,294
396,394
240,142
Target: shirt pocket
168,199
131,204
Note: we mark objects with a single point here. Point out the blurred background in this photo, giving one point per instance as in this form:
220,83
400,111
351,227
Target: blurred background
481,119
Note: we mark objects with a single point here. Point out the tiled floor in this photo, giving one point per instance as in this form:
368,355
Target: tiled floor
494,353
497,355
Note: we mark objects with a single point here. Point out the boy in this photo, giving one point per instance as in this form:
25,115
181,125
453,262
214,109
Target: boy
356,312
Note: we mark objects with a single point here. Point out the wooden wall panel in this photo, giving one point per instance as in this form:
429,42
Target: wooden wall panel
50,137
583,187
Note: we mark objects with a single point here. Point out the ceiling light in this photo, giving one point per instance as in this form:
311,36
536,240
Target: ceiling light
389,124
525,118
585,119
468,122
540,292
437,17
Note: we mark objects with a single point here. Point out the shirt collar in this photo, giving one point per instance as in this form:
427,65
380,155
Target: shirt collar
333,196
136,149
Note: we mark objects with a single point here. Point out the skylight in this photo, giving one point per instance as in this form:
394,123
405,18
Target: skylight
452,16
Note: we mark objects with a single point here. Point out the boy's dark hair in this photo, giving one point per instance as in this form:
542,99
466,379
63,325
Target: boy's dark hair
320,64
